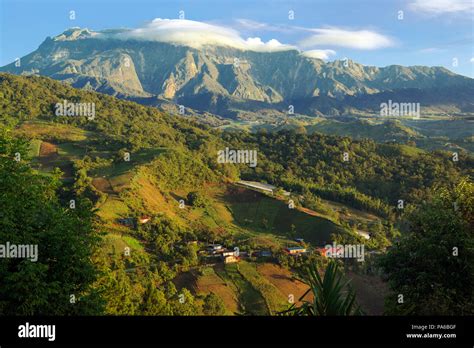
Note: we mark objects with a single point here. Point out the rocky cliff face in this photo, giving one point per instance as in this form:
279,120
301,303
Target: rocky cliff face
216,78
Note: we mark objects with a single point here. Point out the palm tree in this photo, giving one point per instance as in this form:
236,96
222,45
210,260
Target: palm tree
332,296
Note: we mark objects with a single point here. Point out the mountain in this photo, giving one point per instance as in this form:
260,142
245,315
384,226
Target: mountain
237,83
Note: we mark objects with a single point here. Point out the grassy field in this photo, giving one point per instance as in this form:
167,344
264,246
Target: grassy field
348,213
115,243
133,243
263,214
72,150
283,280
120,168
113,208
358,129
35,146
411,150
52,131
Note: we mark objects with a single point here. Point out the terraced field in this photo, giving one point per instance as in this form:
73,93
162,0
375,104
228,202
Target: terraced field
246,288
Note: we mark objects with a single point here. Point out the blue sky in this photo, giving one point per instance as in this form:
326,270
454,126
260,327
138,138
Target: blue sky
432,32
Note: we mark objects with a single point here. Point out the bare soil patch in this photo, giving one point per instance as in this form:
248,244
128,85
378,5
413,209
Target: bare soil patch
237,194
48,149
213,284
103,185
281,278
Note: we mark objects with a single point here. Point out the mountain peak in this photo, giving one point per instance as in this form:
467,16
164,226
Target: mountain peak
222,79
75,33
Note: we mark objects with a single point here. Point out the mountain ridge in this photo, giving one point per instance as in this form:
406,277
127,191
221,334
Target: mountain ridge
218,79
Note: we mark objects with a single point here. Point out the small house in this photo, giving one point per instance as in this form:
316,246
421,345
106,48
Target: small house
230,259
144,219
228,253
262,253
295,250
126,222
330,252
215,248
258,186
363,234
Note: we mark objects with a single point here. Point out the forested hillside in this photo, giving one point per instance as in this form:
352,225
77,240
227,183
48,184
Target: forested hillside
131,163
385,171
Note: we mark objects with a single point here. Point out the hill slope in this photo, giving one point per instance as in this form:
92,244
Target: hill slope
171,157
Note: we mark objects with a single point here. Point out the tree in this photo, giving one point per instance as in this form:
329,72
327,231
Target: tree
190,256
213,305
59,281
154,302
196,199
430,269
292,232
184,304
118,292
331,295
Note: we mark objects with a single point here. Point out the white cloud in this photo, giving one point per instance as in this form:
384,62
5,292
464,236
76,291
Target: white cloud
250,24
436,7
197,34
320,54
430,50
472,60
256,44
361,39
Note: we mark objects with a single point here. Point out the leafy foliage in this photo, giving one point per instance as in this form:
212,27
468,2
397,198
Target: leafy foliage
332,296
213,305
33,214
431,266
196,199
